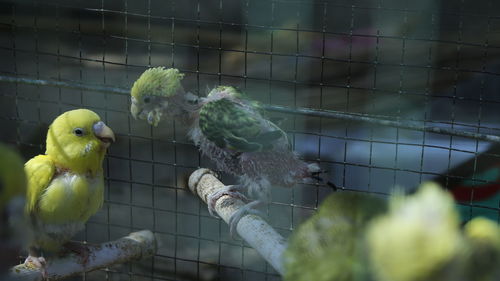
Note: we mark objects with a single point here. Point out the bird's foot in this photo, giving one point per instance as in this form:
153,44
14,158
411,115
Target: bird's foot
80,249
231,190
315,175
37,263
243,211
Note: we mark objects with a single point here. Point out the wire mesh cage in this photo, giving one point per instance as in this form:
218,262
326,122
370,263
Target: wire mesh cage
429,67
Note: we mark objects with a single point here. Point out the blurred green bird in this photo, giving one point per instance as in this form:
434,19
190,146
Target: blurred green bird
15,233
483,253
418,239
330,245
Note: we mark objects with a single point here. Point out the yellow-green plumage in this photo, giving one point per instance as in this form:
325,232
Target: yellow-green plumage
151,93
236,123
483,255
329,246
419,238
14,229
12,177
77,204
157,81
66,186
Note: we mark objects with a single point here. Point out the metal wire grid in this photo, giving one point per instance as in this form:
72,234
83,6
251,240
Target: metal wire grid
145,168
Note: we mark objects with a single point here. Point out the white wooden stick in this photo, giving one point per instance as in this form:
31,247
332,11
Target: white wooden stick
253,229
136,245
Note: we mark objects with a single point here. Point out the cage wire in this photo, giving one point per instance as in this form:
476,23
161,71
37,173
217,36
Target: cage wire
431,67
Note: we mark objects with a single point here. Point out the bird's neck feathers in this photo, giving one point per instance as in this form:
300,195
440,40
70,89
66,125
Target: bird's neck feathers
83,157
184,106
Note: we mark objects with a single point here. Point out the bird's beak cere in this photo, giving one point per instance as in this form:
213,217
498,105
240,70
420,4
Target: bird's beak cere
103,133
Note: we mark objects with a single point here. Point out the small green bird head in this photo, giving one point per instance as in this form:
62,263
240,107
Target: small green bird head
151,93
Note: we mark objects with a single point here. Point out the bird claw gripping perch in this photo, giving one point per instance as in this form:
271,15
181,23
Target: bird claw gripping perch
38,263
251,228
243,211
230,190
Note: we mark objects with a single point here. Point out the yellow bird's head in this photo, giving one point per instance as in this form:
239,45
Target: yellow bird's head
78,140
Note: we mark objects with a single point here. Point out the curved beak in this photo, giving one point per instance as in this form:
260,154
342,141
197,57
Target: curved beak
134,110
103,133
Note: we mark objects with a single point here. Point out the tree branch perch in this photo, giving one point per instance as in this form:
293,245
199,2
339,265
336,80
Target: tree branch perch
136,245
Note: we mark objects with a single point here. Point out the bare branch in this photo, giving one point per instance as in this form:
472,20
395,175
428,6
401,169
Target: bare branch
136,245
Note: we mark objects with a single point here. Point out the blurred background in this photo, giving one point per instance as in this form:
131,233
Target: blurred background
433,62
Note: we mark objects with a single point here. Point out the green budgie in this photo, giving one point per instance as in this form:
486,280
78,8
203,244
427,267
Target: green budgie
483,237
330,245
15,233
230,129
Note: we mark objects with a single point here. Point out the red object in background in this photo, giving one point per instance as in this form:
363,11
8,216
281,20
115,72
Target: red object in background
486,182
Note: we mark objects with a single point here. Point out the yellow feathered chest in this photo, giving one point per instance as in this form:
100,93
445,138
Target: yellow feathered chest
71,197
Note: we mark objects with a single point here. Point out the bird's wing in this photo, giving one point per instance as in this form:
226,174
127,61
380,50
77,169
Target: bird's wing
39,170
238,126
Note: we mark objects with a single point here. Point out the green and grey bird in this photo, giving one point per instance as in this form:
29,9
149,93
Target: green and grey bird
230,129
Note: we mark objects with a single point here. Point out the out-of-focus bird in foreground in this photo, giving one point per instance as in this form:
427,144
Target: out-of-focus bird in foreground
483,253
330,245
66,185
230,129
14,231
418,239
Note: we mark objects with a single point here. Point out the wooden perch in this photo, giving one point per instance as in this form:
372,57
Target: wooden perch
253,229
136,245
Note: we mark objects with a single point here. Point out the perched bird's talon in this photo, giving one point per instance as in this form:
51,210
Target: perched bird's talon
248,209
317,173
37,262
230,190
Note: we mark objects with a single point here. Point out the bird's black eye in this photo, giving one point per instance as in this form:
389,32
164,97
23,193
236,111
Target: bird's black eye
147,99
78,132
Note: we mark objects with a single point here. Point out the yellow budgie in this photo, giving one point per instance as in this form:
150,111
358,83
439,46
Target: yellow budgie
66,185
419,238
